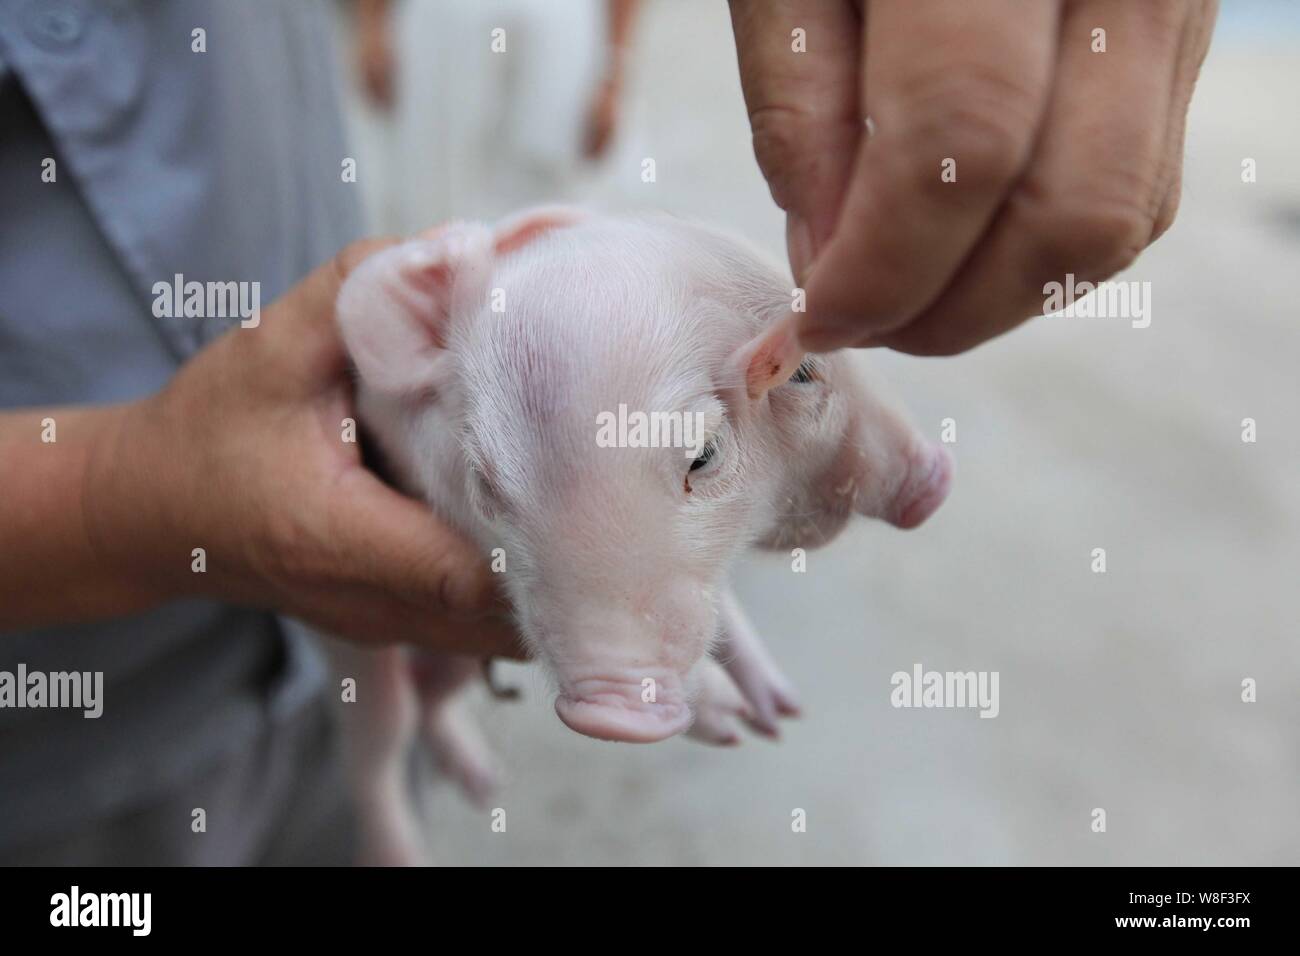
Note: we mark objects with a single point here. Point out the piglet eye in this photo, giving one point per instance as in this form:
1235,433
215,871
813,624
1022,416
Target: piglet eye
704,457
804,374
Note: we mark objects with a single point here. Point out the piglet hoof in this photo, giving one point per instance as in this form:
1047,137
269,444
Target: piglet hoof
742,652
719,708
769,707
767,692
461,752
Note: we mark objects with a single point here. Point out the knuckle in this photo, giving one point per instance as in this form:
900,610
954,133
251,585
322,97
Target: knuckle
779,134
1166,16
461,590
449,594
979,118
794,144
1092,237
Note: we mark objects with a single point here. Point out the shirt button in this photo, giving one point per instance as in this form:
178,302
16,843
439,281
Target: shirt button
54,25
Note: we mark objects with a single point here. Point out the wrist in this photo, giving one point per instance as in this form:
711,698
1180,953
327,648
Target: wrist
130,539
51,570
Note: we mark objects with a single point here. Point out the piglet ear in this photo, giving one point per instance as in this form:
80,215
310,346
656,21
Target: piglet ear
765,361
395,309
524,227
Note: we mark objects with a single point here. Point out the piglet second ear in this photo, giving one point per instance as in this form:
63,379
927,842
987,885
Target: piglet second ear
395,309
765,361
522,228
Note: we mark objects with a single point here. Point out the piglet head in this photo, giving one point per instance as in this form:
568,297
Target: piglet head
845,449
538,352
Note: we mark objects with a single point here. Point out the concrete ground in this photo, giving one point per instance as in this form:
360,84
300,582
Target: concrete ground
1120,690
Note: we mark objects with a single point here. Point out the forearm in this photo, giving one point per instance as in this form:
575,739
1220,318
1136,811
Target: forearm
621,15
50,569
372,13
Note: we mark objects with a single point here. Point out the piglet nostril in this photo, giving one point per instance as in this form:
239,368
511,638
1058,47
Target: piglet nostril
624,710
926,491
607,720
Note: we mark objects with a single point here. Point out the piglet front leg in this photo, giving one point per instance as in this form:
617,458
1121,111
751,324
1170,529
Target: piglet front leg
450,730
744,655
718,707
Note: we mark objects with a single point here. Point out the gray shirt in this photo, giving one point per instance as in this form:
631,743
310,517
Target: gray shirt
221,165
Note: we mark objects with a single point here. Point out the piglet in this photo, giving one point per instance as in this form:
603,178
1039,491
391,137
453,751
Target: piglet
493,364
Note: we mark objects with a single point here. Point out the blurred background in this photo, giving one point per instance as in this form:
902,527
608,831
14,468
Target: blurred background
1120,690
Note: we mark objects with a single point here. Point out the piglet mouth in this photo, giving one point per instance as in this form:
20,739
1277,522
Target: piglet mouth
625,710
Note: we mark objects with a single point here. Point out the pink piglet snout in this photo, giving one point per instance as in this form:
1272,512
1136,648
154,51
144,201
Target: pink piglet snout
622,708
926,487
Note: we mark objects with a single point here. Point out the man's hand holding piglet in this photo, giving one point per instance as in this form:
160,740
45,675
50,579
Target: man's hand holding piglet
243,455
